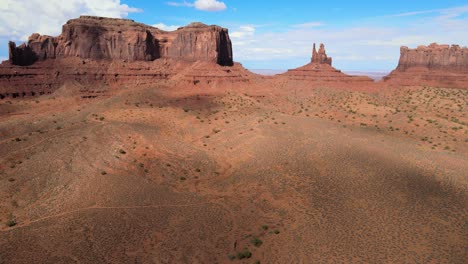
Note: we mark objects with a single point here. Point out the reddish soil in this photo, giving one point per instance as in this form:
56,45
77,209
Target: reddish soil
289,171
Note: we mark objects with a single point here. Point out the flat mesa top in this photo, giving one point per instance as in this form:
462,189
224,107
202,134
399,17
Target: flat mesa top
122,22
435,46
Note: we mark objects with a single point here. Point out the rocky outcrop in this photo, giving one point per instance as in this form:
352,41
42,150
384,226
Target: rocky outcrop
319,72
101,38
320,57
44,77
433,65
434,57
98,52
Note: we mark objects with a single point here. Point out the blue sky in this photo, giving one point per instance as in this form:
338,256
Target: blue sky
359,35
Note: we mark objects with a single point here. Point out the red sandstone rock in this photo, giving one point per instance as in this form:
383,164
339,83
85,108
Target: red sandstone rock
320,57
44,77
320,72
96,52
433,65
435,57
121,39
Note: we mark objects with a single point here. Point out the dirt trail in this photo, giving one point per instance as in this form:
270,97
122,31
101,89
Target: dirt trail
28,223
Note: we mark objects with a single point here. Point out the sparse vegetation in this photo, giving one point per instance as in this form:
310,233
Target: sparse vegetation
244,254
257,242
11,223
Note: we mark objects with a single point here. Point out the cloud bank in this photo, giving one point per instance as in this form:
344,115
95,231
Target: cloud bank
18,19
203,5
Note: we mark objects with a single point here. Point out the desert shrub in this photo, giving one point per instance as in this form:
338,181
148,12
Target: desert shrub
244,254
121,151
11,223
257,242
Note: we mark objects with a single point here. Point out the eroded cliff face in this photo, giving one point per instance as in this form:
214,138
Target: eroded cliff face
320,57
434,57
101,38
97,52
433,65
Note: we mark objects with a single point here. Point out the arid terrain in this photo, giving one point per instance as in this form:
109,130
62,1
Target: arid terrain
248,169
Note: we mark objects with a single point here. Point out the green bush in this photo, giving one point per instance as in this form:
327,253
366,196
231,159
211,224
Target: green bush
244,254
257,242
11,223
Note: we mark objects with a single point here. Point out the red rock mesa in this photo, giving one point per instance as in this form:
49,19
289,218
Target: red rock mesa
122,39
108,51
433,65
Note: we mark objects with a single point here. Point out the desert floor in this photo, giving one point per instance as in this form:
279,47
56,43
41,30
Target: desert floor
280,173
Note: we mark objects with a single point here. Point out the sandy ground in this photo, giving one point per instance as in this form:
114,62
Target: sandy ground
261,173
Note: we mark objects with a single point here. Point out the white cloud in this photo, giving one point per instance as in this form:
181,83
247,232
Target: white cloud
243,32
308,25
210,5
204,5
184,3
18,19
3,59
447,12
166,27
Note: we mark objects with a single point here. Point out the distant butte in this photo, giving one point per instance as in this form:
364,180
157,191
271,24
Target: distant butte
433,65
320,57
320,72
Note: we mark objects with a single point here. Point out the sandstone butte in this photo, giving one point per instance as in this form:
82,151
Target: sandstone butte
320,72
122,39
108,52
433,65
118,52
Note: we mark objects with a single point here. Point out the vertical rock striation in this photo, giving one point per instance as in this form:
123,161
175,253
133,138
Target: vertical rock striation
97,51
433,65
434,57
101,38
320,57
